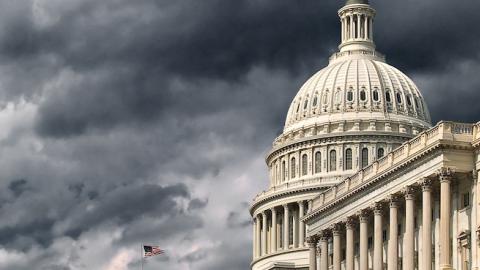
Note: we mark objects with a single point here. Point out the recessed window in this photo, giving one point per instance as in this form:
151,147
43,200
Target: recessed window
364,157
305,104
380,153
292,167
318,162
375,95
466,199
304,164
333,160
350,95
348,159
363,95
325,97
416,103
388,97
338,98
409,101
315,101
399,98
298,107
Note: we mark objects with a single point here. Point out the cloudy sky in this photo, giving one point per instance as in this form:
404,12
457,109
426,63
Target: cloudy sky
126,122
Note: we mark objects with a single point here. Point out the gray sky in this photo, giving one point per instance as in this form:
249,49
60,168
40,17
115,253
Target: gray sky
127,122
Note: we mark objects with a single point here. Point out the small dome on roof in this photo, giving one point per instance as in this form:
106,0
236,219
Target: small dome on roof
352,2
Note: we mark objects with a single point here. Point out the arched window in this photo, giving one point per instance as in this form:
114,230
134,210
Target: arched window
350,95
380,153
283,171
348,159
416,103
298,107
325,97
304,164
409,100
305,104
363,95
375,95
338,98
364,157
333,160
292,168
315,101
388,97
399,98
318,162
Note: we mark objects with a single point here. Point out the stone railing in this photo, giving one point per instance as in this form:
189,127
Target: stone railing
356,52
442,131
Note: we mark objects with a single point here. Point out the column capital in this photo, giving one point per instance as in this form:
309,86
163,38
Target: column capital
394,201
273,210
363,215
264,214
409,193
350,223
445,174
337,229
426,184
324,235
312,240
285,206
378,208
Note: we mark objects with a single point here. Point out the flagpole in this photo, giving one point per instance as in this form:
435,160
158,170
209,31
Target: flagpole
141,254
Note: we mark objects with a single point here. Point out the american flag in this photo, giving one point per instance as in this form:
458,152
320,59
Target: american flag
152,251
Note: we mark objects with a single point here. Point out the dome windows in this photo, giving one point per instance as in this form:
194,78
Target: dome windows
375,95
388,96
292,167
399,98
380,152
298,107
338,98
304,164
409,100
416,103
305,104
364,157
333,160
315,99
363,95
350,95
348,159
325,97
318,162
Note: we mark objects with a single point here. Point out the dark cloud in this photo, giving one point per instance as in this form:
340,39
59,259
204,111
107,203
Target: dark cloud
147,121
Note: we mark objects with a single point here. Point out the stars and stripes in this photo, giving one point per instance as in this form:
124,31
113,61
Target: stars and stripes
149,251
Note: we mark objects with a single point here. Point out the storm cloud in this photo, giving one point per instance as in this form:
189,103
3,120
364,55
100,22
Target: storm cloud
129,122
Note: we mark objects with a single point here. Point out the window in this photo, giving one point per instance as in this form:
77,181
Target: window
304,164
292,168
388,97
315,101
283,170
325,97
348,159
338,98
364,157
375,95
350,95
298,107
416,103
409,100
380,153
399,98
466,199
318,162
333,160
305,104
363,95
290,230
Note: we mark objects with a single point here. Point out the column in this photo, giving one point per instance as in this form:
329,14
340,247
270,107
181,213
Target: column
365,28
393,237
378,241
409,240
337,251
301,225
363,217
274,231
445,176
350,244
352,25
254,242
358,25
258,247
312,248
264,233
371,28
324,251
427,224
295,229
286,230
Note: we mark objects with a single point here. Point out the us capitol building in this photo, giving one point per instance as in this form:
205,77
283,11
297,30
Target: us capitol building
360,179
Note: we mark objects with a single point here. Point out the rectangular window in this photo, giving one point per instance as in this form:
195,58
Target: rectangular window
466,199
384,235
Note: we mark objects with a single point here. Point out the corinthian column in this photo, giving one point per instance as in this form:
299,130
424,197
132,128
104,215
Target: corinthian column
337,256
427,224
324,251
363,217
274,231
445,176
312,248
393,237
409,240
286,230
301,225
264,233
254,242
257,238
378,241
350,226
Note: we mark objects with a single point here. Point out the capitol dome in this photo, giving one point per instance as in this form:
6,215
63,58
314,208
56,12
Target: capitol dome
357,86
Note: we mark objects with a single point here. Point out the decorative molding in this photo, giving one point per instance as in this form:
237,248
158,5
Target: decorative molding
350,223
394,201
409,193
378,208
445,174
426,184
363,215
